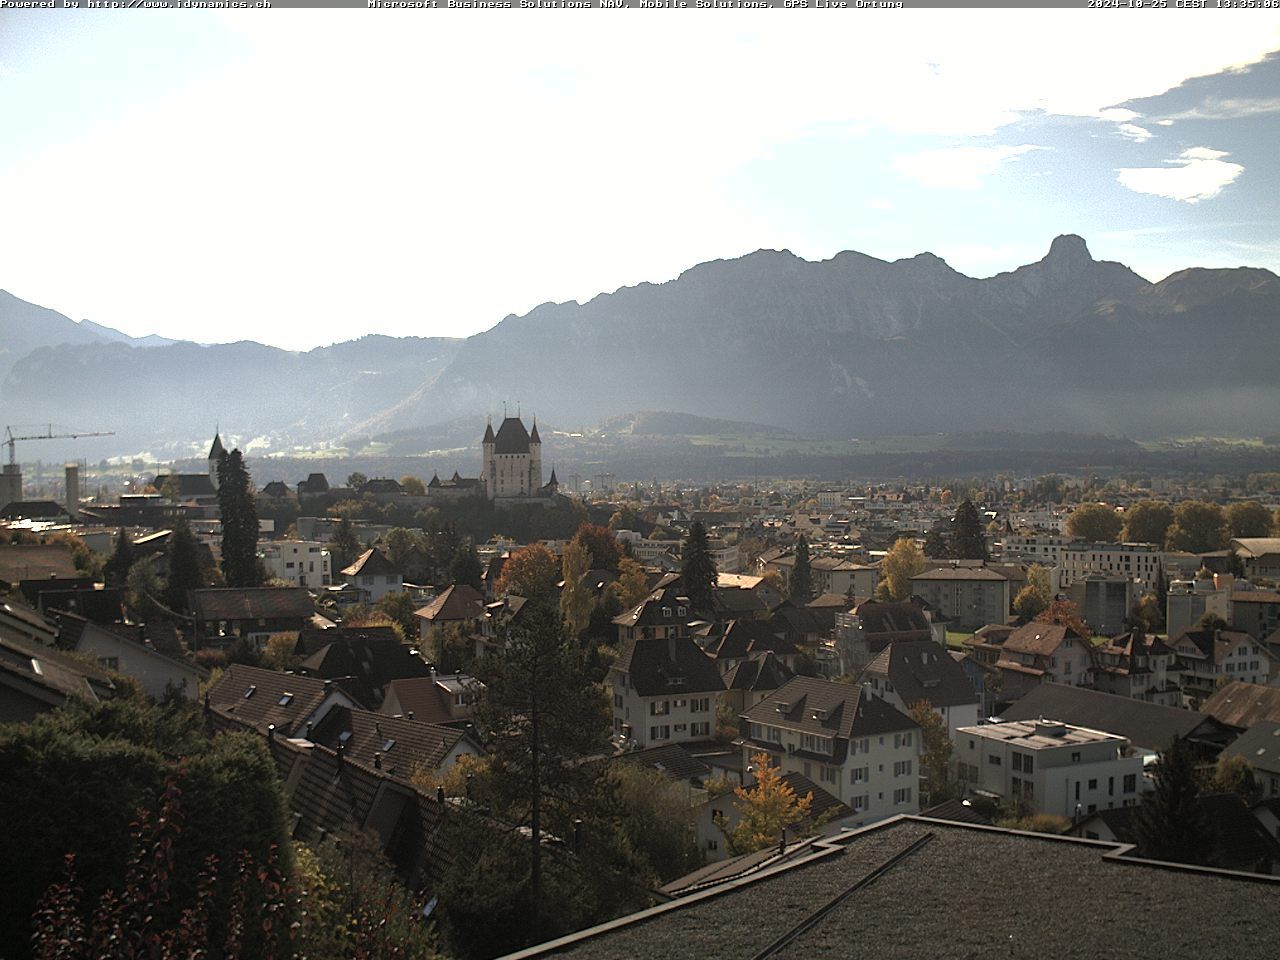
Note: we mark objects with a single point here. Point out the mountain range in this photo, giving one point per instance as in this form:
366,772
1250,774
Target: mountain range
852,346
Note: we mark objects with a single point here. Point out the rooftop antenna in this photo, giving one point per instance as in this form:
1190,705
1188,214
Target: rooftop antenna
504,409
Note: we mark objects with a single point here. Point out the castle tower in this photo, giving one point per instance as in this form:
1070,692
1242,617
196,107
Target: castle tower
535,461
489,469
215,451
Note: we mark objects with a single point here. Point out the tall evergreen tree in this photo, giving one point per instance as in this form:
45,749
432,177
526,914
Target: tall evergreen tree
967,539
540,715
466,566
239,522
698,571
184,567
1170,824
344,547
116,570
802,575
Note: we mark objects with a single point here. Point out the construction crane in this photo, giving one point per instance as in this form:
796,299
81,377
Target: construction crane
10,438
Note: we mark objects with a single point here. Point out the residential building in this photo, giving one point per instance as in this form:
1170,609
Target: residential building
1259,747
1255,612
1104,601
865,630
300,563
1041,651
1240,705
1046,766
1149,727
1140,562
909,671
1042,548
125,649
283,704
1189,600
1208,657
744,639
843,577
223,614
458,605
35,679
664,690
375,575
970,596
1138,666
1260,556
445,698
850,742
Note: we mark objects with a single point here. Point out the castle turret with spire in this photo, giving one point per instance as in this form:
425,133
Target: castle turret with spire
512,460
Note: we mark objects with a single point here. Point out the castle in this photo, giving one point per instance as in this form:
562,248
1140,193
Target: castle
512,462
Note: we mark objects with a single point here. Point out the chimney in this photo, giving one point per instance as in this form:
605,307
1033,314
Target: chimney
439,794
377,761
73,489
271,731
341,758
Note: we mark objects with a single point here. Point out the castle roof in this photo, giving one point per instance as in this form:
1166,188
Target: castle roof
488,433
512,437
217,449
533,437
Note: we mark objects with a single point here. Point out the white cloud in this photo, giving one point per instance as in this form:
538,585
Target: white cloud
960,168
344,172
1134,132
1164,123
1196,174
1228,108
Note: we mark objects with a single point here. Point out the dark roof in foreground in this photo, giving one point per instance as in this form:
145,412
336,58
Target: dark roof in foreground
1241,704
966,891
1148,725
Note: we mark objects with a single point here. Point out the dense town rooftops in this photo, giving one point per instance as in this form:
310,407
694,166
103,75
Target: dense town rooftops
827,708
923,670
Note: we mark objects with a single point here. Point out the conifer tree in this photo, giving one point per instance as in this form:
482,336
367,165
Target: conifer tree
802,576
239,522
967,539
344,547
184,567
117,567
1170,824
698,570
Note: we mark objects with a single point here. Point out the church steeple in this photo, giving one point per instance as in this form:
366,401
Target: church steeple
533,435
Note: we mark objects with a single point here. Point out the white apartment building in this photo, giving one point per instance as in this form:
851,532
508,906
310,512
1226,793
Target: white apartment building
1140,562
1042,548
300,563
851,743
1044,766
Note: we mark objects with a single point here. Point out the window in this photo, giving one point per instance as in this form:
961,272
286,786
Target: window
660,733
902,796
1016,761
659,708
1130,782
111,663
617,700
827,774
859,774
1093,784
284,699
993,760
700,704
902,768
702,729
1075,757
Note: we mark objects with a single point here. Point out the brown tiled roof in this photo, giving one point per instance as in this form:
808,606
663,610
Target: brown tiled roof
422,697
649,611
252,603
672,759
20,562
923,670
372,562
742,638
761,672
837,600
1241,704
653,672
371,663
401,744
1039,639
903,619
61,675
831,709
460,601
257,698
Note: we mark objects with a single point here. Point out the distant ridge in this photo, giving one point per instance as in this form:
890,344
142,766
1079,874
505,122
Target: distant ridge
847,347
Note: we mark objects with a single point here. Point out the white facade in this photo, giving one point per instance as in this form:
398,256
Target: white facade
1042,548
1140,562
657,721
1048,767
159,675
300,563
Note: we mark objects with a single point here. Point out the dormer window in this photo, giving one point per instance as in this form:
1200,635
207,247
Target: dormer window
666,613
681,611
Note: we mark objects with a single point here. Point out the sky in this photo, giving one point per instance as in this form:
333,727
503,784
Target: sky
302,177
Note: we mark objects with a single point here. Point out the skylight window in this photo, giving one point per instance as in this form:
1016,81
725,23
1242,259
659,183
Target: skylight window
387,745
344,736
251,691
284,699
